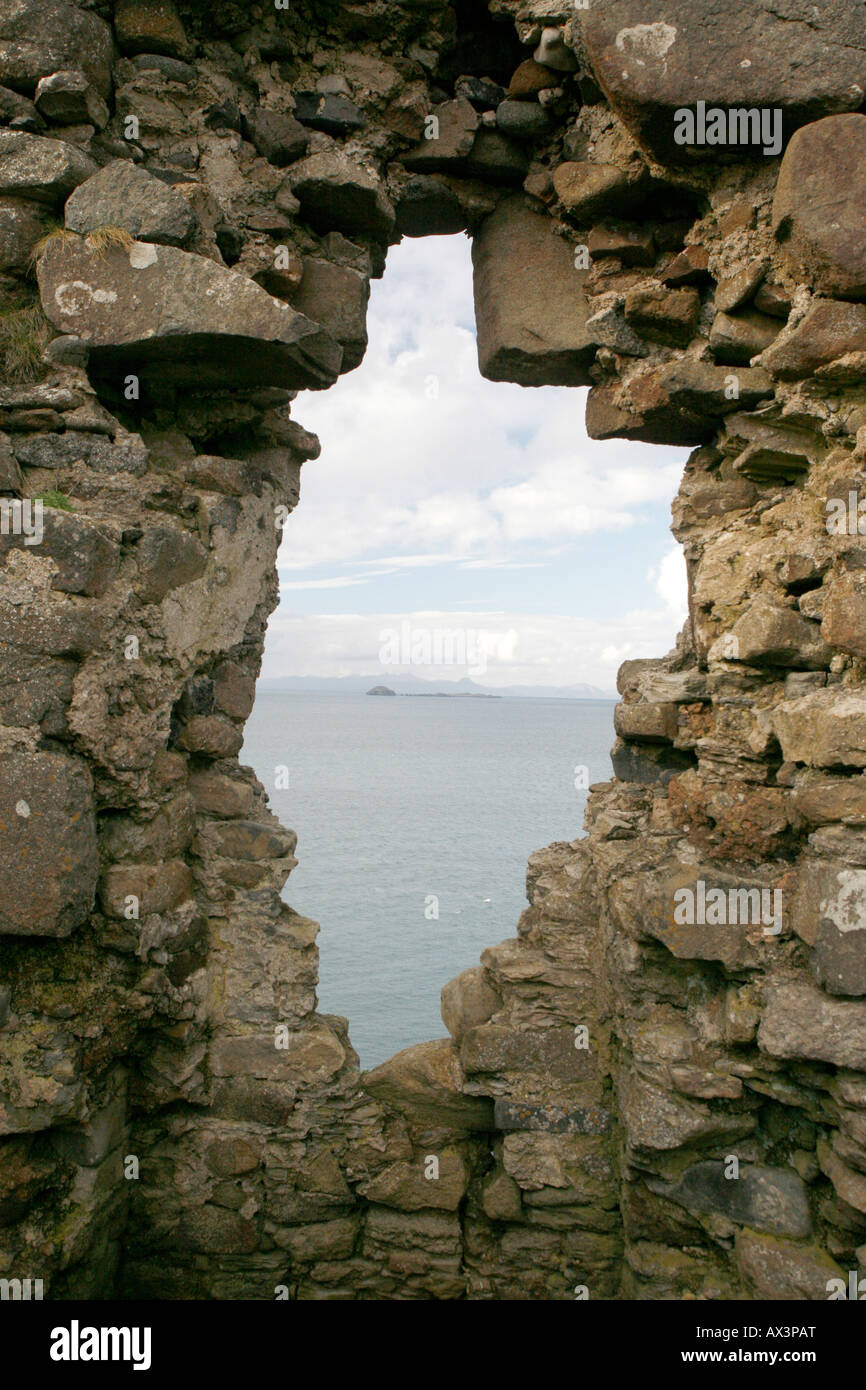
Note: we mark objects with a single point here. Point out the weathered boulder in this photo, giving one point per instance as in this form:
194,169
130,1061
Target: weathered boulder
530,303
767,1199
769,634
150,26
810,63
589,191
332,112
785,1271
167,557
426,1083
665,315
820,205
844,614
148,304
279,138
408,1186
122,195
48,843
336,297
22,224
337,194
428,207
801,1021
736,339
828,330
826,728
450,140
522,120
69,98
467,1001
40,37
44,170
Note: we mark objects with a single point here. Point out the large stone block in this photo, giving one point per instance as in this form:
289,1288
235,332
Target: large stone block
800,1021
338,195
820,205
40,169
824,729
336,297
155,304
530,301
425,1083
732,54
47,844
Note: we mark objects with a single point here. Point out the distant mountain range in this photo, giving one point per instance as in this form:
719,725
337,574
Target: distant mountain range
414,685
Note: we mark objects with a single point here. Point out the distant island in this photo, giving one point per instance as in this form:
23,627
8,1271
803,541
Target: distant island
434,694
410,684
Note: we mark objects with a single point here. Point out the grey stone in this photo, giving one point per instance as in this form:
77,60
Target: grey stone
530,303
336,297
22,224
553,52
820,205
811,62
44,170
338,195
334,114
39,37
484,94
68,98
451,145
122,195
522,120
766,1199
428,207
512,1115
151,304
800,1021
278,138
48,844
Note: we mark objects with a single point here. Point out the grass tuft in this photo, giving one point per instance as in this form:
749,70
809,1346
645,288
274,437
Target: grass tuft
59,500
103,239
24,336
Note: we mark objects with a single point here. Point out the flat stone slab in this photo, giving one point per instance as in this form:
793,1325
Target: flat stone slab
152,304
808,60
514,1115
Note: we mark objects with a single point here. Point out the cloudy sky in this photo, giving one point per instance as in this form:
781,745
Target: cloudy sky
451,503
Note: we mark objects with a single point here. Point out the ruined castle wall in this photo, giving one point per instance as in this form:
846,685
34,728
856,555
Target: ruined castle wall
657,1089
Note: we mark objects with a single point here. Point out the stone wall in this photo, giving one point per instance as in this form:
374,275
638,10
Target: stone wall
635,1101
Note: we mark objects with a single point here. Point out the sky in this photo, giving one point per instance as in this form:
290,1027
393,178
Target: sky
446,503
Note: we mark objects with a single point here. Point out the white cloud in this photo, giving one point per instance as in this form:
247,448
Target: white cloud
521,649
671,584
476,471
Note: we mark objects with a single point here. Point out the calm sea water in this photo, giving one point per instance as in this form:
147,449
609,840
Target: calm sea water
400,802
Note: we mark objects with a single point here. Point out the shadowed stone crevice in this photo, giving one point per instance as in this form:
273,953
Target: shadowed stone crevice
657,1088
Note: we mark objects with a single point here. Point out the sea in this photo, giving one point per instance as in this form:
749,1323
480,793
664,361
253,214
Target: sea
415,817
